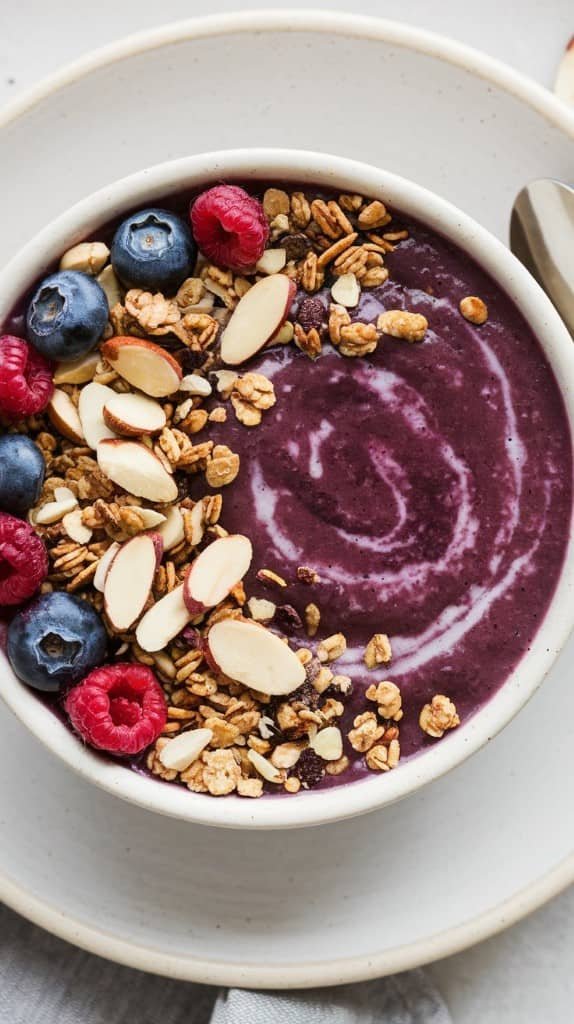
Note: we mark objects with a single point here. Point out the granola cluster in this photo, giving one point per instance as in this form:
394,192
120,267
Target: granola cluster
243,741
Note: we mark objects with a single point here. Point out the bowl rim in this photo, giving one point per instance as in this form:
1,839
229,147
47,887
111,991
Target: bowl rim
322,806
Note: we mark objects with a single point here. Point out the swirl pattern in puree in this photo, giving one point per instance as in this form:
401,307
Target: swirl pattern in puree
429,485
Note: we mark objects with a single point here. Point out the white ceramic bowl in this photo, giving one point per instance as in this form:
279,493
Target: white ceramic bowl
315,807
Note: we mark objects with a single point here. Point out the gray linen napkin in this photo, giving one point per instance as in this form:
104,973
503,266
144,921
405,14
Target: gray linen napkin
46,981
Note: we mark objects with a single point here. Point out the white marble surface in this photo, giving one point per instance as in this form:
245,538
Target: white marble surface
525,975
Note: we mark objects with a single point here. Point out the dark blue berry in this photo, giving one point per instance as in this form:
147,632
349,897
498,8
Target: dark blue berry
56,640
155,250
22,470
67,315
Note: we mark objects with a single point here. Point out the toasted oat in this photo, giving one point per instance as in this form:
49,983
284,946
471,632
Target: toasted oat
474,310
373,216
400,324
252,395
312,619
250,787
438,716
338,318
223,467
337,767
388,696
378,651
153,313
269,576
332,647
351,202
312,276
366,732
335,250
221,773
190,292
307,575
292,785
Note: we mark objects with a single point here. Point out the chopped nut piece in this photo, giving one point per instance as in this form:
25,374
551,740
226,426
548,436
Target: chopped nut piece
225,382
300,210
388,696
268,576
275,201
374,277
358,339
307,575
223,467
323,679
332,647
378,651
338,318
312,619
400,324
312,276
474,310
293,785
352,261
351,203
377,758
260,609
366,732
338,767
190,292
438,716
88,257
221,772
308,341
250,787
373,216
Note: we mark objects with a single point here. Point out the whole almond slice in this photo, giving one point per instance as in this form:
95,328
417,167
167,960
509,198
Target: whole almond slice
129,580
134,467
91,409
77,371
52,511
63,415
172,531
256,318
252,655
163,622
133,415
193,384
145,365
214,573
103,566
183,750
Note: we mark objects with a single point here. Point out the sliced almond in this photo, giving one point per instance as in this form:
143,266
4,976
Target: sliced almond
252,655
78,371
183,750
264,767
346,290
109,284
145,365
74,527
134,467
91,409
129,581
216,571
328,743
151,518
260,609
225,382
284,335
64,494
172,531
88,257
103,566
63,415
133,415
193,384
163,621
272,261
256,318
52,511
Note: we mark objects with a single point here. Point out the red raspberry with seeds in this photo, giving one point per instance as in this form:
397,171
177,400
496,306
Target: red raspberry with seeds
118,708
26,384
23,560
229,227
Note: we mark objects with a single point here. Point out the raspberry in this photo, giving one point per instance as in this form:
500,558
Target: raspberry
26,384
229,226
23,560
118,708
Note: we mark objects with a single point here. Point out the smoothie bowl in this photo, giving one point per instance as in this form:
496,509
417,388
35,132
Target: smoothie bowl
286,487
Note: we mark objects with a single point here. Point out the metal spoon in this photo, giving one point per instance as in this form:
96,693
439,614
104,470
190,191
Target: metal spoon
542,236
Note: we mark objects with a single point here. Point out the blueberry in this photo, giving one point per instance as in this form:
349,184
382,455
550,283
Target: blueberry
153,249
56,641
22,469
67,315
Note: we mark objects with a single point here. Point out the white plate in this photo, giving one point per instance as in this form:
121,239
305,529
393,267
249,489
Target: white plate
477,849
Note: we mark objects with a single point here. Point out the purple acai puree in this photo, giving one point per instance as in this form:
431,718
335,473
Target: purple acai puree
429,485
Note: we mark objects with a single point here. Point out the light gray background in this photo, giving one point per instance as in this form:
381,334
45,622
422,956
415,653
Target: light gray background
526,975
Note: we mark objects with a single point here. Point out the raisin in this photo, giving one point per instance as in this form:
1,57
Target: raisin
310,769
